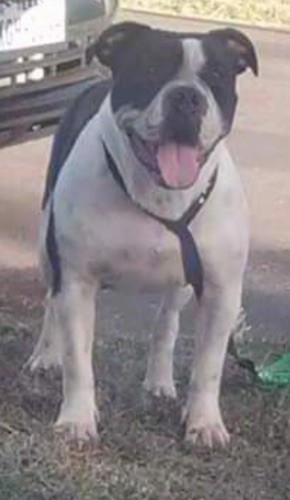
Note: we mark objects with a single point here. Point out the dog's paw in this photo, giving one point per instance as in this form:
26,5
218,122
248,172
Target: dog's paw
159,388
78,432
205,426
78,428
209,435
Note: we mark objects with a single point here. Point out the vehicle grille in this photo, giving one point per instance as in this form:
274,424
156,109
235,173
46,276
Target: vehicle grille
36,86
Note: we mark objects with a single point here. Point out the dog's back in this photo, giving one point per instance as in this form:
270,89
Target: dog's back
86,105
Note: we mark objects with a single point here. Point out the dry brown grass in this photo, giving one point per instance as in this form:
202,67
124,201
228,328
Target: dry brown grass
141,456
263,12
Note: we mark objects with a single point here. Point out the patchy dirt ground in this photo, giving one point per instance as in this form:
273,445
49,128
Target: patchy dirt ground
141,455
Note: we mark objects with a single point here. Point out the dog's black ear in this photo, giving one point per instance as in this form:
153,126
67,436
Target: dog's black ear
115,41
240,45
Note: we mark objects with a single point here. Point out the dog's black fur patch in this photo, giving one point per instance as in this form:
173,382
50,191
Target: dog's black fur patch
52,253
77,116
219,73
145,68
143,60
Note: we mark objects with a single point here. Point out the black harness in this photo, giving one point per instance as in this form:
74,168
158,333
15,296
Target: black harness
190,257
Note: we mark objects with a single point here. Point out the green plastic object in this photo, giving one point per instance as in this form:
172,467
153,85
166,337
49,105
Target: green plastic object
276,373
273,374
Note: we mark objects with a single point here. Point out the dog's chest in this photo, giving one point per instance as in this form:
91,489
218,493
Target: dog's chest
135,249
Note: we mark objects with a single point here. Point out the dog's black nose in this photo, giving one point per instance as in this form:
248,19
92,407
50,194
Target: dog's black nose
183,110
187,101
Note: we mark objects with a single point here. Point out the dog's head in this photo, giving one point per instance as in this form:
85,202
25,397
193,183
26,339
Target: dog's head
174,95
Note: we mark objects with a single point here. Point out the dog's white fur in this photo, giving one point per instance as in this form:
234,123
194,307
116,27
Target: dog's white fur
110,239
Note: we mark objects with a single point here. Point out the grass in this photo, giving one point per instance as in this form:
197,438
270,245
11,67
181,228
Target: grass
262,12
141,456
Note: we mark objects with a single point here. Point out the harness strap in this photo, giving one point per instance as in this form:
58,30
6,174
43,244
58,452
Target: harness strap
190,256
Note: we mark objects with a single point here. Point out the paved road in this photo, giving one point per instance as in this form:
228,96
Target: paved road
261,146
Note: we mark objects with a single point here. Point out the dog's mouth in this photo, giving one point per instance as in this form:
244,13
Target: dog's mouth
172,165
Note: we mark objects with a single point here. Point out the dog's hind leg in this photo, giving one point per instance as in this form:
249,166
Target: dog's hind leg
47,352
159,376
217,314
74,307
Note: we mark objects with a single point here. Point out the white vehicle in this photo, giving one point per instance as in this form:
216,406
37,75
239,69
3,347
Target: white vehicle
43,64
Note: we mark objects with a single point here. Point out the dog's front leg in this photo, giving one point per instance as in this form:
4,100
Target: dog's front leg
159,375
75,310
218,311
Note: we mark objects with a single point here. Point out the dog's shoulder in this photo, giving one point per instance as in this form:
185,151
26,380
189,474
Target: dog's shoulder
86,105
229,176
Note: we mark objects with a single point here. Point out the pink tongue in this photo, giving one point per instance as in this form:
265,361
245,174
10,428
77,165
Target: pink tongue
178,164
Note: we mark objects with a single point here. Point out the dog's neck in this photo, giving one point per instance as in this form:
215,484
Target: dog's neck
141,187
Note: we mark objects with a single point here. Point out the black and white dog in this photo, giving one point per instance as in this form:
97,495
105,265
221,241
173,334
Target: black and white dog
142,193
